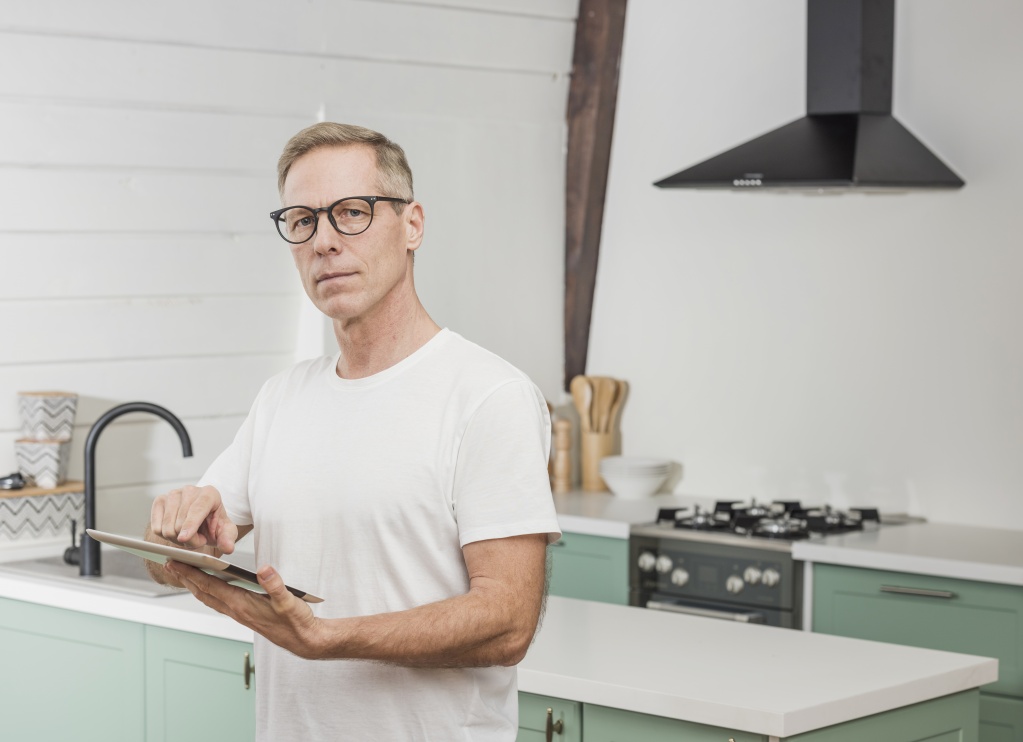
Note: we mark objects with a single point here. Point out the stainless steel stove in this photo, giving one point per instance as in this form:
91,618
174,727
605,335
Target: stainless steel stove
733,562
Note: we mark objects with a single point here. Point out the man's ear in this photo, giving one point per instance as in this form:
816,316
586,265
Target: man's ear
415,223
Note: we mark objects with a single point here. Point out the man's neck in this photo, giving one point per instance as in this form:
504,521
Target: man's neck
369,347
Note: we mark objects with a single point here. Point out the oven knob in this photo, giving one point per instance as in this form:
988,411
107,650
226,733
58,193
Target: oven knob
751,575
679,577
664,564
771,577
734,584
646,561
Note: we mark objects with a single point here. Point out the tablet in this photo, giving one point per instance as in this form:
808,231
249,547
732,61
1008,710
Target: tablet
208,563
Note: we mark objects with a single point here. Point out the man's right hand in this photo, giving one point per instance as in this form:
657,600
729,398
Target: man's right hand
193,517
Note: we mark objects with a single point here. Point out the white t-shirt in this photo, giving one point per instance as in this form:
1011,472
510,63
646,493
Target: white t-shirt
363,492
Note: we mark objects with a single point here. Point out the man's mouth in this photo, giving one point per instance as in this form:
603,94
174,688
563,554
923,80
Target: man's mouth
333,274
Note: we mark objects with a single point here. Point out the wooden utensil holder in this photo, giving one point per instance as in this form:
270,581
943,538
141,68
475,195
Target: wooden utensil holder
594,447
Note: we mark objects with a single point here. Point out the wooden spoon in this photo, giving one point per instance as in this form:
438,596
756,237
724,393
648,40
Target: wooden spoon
603,396
622,391
582,395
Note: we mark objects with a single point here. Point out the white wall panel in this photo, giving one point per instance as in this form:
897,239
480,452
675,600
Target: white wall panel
146,327
425,33
119,73
46,134
76,265
109,201
139,448
194,387
565,9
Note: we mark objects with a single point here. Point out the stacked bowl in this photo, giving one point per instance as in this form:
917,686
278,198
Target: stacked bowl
634,477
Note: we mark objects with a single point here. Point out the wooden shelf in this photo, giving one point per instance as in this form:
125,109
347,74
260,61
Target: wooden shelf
64,489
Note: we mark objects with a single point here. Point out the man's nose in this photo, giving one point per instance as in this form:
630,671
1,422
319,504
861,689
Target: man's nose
326,239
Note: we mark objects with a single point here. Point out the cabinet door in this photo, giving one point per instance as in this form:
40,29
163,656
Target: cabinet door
954,615
947,719
602,724
533,719
1001,719
195,688
591,568
69,675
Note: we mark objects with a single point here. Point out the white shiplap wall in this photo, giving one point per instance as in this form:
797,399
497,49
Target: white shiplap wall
137,151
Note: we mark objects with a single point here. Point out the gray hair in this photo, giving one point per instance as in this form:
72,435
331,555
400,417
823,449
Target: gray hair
394,176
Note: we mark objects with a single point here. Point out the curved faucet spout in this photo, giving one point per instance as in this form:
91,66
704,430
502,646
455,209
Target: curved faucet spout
89,558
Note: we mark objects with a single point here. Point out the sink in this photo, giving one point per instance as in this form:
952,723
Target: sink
122,572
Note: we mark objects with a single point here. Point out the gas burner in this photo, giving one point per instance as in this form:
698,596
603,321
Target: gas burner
700,521
784,526
753,510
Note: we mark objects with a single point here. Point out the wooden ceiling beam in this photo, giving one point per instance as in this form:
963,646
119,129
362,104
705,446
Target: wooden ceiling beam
592,96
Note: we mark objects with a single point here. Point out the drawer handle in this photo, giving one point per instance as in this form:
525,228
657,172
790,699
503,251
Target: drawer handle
917,591
249,669
553,727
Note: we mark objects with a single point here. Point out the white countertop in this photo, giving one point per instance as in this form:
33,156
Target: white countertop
745,677
181,612
940,549
605,514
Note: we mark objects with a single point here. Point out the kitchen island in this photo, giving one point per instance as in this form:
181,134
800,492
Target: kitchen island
768,682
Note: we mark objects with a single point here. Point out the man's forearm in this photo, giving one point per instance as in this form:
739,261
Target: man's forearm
492,624
472,630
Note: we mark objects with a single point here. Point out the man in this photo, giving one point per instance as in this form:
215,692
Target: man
403,480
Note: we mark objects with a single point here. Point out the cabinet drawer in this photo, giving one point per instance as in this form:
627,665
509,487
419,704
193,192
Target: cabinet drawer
1001,719
613,725
976,618
533,718
590,567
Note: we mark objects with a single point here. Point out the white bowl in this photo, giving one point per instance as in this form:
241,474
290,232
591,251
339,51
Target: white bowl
633,486
636,461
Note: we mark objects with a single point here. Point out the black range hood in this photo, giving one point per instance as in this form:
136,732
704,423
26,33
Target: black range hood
849,138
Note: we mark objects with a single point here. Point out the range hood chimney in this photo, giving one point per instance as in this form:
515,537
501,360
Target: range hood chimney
849,138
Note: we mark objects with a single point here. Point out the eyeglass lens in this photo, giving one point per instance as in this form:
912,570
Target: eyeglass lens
350,216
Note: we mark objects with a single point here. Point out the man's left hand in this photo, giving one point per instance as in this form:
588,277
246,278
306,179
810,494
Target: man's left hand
284,619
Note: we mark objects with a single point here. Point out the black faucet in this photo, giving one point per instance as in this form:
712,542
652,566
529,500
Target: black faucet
88,555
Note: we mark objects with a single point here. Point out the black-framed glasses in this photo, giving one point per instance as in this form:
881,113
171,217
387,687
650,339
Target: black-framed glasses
350,216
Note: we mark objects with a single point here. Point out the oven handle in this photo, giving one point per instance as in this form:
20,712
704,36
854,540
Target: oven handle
747,617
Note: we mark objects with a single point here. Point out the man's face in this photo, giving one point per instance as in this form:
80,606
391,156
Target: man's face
351,277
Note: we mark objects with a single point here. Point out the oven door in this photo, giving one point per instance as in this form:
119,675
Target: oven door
723,611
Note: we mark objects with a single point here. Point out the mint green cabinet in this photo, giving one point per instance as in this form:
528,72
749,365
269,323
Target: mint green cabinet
533,719
602,724
198,684
69,675
948,719
1001,718
590,567
977,618
953,615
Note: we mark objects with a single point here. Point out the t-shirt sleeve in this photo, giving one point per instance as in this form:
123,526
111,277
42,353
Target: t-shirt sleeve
501,485
230,471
